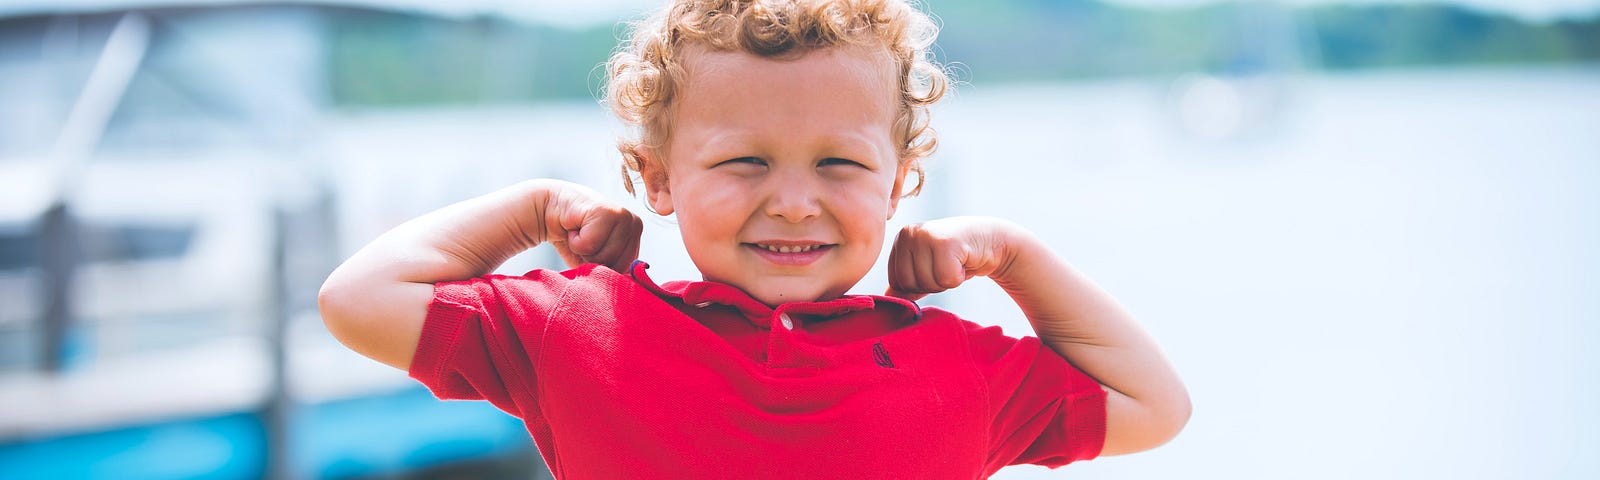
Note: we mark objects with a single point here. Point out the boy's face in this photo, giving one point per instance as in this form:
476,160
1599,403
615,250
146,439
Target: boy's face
783,173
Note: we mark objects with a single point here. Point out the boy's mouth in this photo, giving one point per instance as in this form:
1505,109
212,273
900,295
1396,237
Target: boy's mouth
787,248
790,253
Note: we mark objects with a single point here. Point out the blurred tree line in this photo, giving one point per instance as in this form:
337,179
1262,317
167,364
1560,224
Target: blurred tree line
394,58
390,58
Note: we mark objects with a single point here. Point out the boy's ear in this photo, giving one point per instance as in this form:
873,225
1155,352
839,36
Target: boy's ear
899,183
657,191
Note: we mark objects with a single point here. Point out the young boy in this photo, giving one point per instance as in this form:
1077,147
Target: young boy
780,134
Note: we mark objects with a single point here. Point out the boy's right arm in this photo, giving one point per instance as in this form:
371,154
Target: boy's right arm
375,302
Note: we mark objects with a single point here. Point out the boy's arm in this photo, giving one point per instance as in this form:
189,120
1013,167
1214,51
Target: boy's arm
375,302
1146,403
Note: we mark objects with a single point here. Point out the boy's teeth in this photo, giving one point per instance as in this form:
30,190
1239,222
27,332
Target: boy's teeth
787,249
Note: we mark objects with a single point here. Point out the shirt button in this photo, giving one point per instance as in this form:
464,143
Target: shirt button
702,305
788,324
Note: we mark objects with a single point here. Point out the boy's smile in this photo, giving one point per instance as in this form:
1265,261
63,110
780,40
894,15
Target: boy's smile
782,173
790,253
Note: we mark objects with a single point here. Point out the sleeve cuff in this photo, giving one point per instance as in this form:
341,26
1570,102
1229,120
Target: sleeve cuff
441,332
1086,422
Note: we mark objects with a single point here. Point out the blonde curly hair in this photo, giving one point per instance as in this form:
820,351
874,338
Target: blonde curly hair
644,73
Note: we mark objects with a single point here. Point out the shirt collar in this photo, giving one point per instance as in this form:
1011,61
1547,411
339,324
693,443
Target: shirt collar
704,294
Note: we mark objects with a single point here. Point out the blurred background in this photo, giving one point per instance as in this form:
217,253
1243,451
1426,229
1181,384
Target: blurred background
1364,231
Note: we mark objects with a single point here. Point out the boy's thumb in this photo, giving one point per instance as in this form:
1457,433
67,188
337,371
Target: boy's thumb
579,242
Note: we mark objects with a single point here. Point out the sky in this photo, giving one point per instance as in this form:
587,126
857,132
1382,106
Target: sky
607,11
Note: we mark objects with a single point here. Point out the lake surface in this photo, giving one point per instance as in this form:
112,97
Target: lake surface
1397,278
1386,275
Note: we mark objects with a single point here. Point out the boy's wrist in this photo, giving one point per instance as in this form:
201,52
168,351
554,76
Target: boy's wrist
1011,243
530,211
548,201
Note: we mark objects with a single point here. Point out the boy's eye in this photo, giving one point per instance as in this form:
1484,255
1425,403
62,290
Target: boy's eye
840,161
744,161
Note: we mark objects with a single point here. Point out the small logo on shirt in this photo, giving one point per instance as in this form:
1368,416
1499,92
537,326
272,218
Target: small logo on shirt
881,355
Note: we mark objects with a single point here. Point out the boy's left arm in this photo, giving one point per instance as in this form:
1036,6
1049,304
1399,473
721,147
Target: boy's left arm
1146,403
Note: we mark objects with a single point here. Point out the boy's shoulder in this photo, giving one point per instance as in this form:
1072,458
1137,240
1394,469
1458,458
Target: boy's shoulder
538,294
987,341
587,280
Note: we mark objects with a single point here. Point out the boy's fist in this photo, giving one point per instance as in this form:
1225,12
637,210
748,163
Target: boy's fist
939,255
585,228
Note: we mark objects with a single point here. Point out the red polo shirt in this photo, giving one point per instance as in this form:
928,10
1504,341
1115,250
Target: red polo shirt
617,377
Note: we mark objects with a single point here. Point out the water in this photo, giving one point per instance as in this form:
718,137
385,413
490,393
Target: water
1384,275
1396,279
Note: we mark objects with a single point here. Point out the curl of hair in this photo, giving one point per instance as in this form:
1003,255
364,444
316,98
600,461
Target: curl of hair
643,75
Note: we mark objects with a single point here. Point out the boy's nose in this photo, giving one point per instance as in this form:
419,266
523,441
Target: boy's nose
793,199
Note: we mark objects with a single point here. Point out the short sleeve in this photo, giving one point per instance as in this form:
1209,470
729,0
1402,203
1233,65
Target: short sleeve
481,338
1044,410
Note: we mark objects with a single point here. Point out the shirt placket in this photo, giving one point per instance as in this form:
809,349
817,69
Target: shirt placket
784,347
781,351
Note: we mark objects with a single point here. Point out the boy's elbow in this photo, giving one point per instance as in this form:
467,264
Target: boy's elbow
382,322
1175,418
344,309
1169,419
1168,415
1136,426
333,305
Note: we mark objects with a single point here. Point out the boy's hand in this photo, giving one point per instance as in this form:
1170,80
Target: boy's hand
939,255
585,228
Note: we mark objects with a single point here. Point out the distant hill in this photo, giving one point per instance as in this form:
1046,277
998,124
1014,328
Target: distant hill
1012,39
383,58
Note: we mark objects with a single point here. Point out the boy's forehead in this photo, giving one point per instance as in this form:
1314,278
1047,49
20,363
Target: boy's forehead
873,65
838,96
722,80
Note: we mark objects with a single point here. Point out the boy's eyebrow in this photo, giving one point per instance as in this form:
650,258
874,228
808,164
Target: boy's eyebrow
854,146
719,136
851,143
